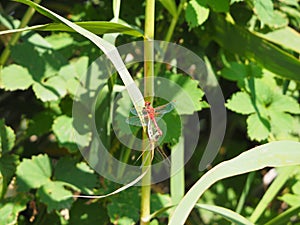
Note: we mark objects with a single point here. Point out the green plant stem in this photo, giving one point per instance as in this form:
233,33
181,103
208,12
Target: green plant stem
174,21
15,37
148,93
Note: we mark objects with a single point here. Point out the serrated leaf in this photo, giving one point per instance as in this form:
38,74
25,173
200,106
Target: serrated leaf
7,138
196,13
15,77
257,128
53,194
70,136
77,174
284,103
11,207
33,173
45,93
240,102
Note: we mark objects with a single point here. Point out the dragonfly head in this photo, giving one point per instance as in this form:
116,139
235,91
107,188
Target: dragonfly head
147,104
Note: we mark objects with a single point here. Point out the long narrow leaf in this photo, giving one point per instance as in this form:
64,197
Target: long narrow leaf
96,27
226,213
272,191
274,154
240,41
284,217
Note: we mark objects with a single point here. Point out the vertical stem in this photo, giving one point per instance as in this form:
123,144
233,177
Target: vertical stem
15,37
148,93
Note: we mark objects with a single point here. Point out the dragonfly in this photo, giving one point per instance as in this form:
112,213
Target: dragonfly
151,116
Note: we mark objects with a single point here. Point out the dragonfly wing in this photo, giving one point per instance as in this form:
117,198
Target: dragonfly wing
134,112
135,120
163,109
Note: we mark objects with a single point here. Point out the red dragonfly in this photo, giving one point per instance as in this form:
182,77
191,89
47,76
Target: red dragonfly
151,116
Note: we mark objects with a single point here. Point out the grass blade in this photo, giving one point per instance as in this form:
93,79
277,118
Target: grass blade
274,154
226,213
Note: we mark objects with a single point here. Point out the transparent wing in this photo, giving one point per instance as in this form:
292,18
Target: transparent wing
134,112
135,120
163,109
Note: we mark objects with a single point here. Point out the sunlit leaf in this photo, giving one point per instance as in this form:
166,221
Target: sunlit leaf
273,156
7,138
15,77
53,194
10,208
33,173
196,13
77,174
70,136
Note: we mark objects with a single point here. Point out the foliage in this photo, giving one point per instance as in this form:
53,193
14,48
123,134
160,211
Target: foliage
251,46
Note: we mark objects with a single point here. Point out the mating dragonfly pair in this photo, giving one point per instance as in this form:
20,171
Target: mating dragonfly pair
151,116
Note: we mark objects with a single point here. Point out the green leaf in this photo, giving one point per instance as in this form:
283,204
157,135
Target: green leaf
170,5
264,10
266,13
196,13
7,138
124,207
77,174
219,6
69,136
15,77
10,208
33,173
286,37
87,214
239,41
240,102
284,103
97,27
281,122
273,156
188,99
53,194
159,201
291,199
45,93
8,165
41,123
235,72
226,213
258,128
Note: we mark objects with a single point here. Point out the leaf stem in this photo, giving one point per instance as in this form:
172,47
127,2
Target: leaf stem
15,37
148,94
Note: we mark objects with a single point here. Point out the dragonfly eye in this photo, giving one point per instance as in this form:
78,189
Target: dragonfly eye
147,104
